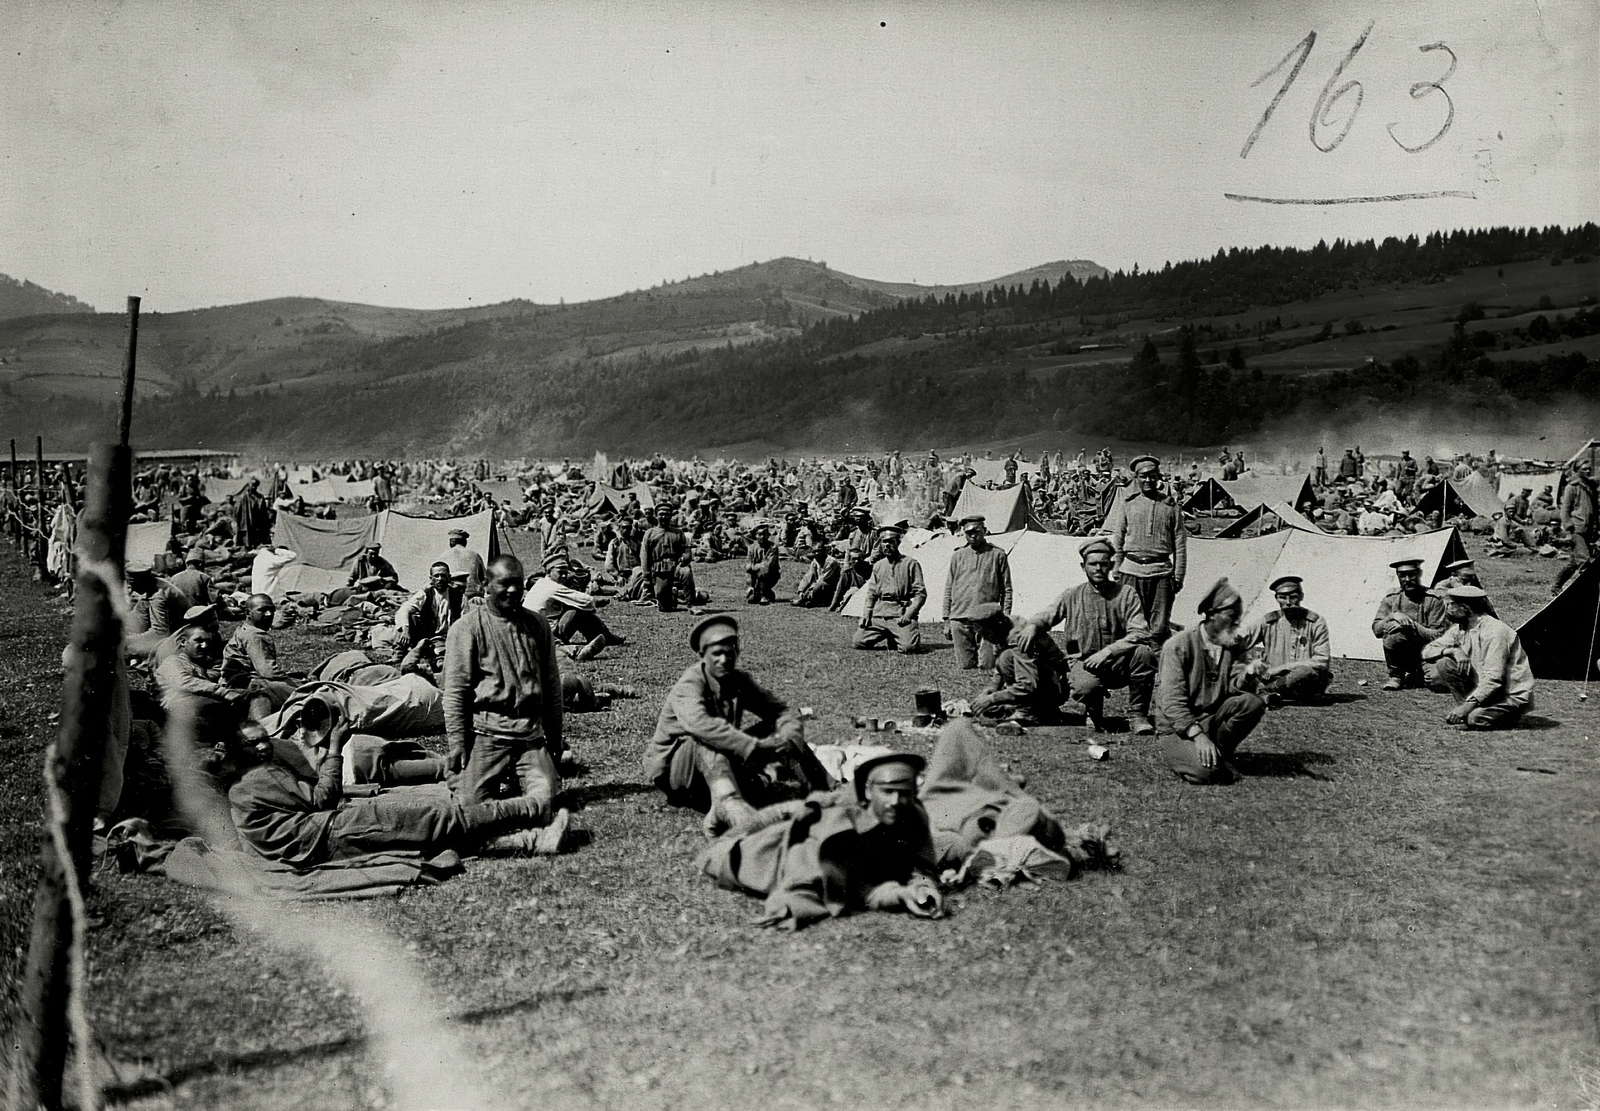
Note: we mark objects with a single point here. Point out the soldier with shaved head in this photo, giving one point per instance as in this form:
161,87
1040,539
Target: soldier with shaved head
502,698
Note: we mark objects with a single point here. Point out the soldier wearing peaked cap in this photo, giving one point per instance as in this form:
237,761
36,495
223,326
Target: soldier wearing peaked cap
1292,644
1408,618
1106,635
1480,660
1205,700
1464,572
980,573
1146,530
1029,681
894,596
723,743
466,566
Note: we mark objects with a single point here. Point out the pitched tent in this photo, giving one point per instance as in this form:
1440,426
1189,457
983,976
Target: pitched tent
1267,518
603,497
1003,510
934,557
147,539
502,491
413,543
1345,579
221,489
333,489
1512,484
1449,499
1560,638
1482,493
1345,576
994,470
1253,490
1207,497
326,550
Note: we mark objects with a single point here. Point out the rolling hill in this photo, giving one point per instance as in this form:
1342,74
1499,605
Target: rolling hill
23,298
797,356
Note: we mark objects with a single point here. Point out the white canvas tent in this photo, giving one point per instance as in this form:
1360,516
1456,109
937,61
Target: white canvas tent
1345,576
1003,510
1267,518
326,550
1513,484
1253,490
994,470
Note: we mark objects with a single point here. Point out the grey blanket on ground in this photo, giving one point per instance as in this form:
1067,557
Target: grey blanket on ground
194,863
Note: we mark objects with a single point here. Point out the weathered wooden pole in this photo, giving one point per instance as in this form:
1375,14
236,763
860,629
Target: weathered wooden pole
40,549
16,488
86,708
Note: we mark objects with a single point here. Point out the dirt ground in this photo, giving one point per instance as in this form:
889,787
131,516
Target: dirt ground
1385,912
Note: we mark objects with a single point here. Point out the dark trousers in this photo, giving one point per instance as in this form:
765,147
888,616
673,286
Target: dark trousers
1227,725
1136,671
582,625
1301,683
1402,652
494,758
1155,599
1452,676
972,650
663,590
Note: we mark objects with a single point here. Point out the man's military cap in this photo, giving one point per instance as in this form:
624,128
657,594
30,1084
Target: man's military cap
1220,597
1281,579
1408,564
374,546
892,530
973,519
199,615
138,566
194,555
865,768
457,534
1095,544
1465,593
1145,464
713,630
1459,565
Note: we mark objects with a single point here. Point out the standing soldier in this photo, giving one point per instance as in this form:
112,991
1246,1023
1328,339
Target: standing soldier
979,573
1578,520
1408,618
895,595
664,548
1147,534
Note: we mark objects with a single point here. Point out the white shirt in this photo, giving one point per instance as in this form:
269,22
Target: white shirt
548,598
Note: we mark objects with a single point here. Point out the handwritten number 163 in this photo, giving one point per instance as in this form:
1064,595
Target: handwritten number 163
1325,115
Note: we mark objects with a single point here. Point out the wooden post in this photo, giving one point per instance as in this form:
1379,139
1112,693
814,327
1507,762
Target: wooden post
40,548
16,488
86,708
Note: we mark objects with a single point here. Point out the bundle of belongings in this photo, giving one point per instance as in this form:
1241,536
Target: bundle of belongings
881,841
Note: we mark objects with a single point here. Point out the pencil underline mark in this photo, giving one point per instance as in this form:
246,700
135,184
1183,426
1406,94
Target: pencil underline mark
1461,193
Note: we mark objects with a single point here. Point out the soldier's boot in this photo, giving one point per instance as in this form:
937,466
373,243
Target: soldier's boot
728,811
1139,710
1094,705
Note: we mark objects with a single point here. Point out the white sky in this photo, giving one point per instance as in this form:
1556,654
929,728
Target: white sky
436,155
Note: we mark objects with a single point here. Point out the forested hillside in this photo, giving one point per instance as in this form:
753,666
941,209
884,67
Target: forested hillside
1196,353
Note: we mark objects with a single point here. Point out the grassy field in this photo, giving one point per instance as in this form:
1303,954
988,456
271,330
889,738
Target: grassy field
1384,913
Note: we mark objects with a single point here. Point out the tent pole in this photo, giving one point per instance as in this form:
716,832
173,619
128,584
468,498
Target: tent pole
1588,660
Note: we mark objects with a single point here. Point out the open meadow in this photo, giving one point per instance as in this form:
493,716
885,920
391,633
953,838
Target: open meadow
1385,912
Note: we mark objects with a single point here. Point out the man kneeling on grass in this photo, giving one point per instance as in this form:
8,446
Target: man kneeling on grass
1481,660
302,821
725,744
1204,700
